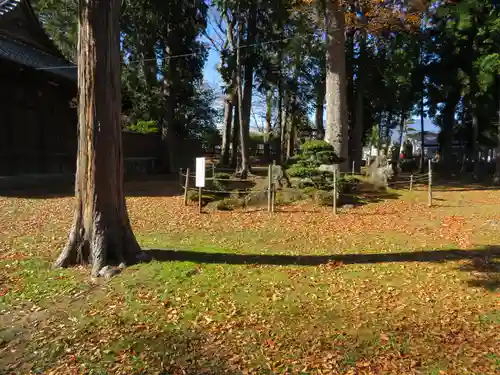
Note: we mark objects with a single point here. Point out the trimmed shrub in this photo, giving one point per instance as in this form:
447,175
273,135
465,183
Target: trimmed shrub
228,204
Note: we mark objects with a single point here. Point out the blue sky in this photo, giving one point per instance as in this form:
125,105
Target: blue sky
212,77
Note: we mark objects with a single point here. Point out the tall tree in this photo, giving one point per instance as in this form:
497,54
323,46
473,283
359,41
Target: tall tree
101,233
336,128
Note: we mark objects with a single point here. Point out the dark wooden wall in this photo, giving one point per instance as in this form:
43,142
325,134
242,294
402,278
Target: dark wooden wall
37,124
38,127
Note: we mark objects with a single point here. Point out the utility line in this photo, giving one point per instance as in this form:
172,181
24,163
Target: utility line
253,45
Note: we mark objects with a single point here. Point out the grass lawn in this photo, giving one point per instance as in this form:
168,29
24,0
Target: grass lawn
386,288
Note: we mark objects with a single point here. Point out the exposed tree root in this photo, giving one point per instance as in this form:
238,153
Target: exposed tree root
106,251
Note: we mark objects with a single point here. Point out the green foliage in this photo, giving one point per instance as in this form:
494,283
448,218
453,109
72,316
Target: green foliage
314,146
305,164
301,171
143,127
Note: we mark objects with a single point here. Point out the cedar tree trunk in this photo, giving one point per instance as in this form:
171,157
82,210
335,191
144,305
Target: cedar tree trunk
101,233
226,134
269,112
357,134
337,127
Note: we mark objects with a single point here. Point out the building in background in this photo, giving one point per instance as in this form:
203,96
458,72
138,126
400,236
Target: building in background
38,117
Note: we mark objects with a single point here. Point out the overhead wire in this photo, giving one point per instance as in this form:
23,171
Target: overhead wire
184,55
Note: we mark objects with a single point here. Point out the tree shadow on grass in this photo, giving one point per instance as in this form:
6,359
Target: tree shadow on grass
486,271
488,255
315,260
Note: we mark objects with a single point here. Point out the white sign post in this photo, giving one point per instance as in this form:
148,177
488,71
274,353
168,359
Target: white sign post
200,179
200,172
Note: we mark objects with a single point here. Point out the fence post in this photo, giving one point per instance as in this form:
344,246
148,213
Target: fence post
269,188
199,200
429,197
335,191
213,171
186,187
411,182
353,167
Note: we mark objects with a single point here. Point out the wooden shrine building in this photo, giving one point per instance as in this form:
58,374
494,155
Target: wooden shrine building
38,118
38,126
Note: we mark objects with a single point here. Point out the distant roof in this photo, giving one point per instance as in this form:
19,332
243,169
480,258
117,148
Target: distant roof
31,56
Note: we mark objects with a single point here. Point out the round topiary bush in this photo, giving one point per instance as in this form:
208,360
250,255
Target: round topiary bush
305,165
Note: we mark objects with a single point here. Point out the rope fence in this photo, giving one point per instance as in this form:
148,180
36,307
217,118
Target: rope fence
404,181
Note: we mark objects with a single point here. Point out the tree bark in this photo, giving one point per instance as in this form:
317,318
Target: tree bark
269,112
291,128
235,140
402,134
241,118
246,107
336,130
101,233
422,110
422,132
475,148
496,178
357,134
279,121
226,135
320,101
446,134
320,107
284,126
168,121
148,56
387,135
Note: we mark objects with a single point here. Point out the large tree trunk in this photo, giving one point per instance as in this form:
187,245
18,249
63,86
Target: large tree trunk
336,130
230,96
357,134
226,134
402,133
387,135
446,134
235,140
269,112
320,102
101,233
320,128
291,128
496,178
422,133
279,121
246,107
243,167
284,125
475,146
148,55
168,121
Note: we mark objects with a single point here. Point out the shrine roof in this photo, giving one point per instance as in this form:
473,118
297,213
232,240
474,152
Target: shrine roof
23,40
